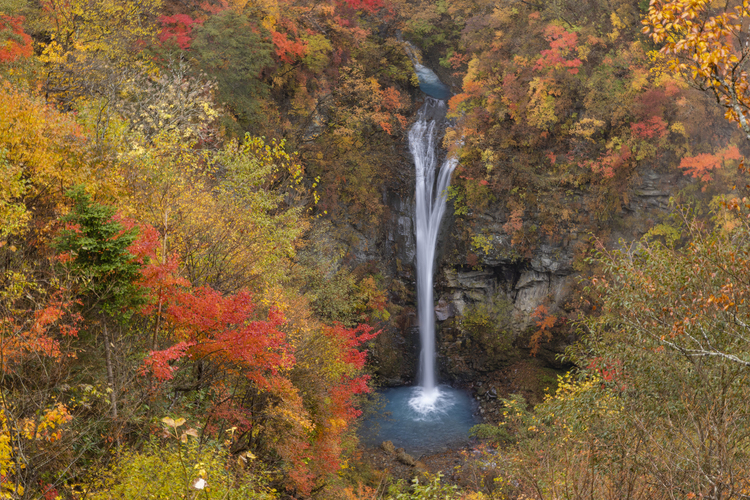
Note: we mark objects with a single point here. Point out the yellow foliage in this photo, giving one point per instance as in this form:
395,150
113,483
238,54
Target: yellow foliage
107,27
617,25
587,127
13,214
6,448
541,105
583,52
92,44
237,231
472,72
16,435
49,148
705,45
640,79
678,128
482,243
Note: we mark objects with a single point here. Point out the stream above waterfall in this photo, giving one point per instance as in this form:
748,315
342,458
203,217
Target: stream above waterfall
430,84
427,418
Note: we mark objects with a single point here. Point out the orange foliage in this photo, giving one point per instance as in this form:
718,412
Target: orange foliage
545,323
288,50
223,328
340,411
234,336
370,6
158,362
700,166
471,90
652,128
39,332
16,43
608,370
562,43
178,28
457,60
456,101
608,163
391,99
515,222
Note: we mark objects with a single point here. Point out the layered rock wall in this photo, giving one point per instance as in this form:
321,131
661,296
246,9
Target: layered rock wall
489,310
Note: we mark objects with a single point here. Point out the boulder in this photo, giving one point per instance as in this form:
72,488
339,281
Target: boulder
443,310
388,447
405,458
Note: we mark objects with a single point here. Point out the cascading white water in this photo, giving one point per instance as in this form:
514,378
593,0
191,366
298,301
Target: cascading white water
428,417
431,197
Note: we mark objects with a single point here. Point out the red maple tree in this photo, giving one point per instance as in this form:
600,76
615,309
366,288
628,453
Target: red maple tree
14,43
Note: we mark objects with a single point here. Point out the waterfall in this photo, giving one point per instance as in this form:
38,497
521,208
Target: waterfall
431,197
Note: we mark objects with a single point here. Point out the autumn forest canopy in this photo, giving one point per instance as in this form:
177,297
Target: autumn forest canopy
199,293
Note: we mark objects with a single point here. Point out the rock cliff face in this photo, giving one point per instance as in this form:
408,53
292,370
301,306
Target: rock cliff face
485,310
486,299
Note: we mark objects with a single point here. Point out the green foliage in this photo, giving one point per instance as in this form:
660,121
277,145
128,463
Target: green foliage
431,488
97,246
263,182
489,324
670,234
515,426
214,216
477,195
661,394
13,186
346,299
558,110
318,51
432,25
493,433
12,6
171,471
445,62
233,49
457,196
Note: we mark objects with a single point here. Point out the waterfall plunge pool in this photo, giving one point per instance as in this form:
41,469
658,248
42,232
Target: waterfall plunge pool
421,422
427,418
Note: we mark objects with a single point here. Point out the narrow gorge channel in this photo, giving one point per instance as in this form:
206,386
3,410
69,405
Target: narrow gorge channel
428,417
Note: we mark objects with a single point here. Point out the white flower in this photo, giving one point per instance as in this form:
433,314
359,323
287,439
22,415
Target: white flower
199,483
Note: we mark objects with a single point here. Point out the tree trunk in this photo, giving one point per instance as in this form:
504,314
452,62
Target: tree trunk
110,370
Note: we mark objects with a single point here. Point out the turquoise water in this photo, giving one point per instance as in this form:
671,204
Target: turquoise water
430,84
422,421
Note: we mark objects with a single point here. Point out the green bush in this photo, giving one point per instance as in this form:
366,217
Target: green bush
488,324
170,472
432,489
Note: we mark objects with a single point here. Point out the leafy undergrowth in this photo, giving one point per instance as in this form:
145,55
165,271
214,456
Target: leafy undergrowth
170,324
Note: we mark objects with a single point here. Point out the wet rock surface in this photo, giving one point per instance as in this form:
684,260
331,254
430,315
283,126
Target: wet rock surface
527,377
540,279
476,280
405,458
448,463
488,304
388,447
